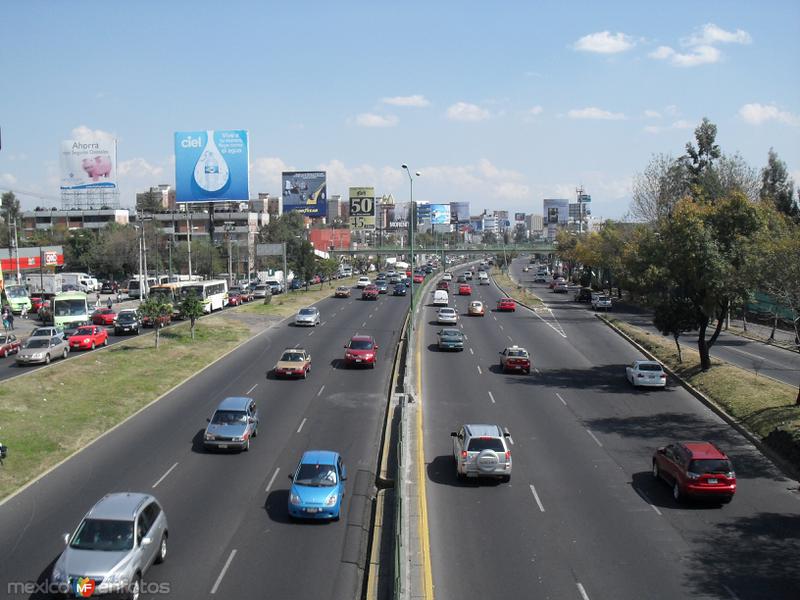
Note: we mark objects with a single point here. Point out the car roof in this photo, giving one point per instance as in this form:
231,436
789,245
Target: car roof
482,430
362,338
121,505
648,362
516,348
701,450
319,457
294,349
234,403
450,331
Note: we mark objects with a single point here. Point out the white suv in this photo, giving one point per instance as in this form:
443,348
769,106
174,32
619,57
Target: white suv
363,282
482,451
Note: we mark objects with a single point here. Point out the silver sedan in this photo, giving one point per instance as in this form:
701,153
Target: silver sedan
447,316
308,316
41,350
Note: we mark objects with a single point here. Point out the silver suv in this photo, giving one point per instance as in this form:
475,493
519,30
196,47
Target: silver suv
482,451
114,545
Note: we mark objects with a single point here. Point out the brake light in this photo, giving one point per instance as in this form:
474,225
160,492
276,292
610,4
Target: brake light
508,455
663,376
464,454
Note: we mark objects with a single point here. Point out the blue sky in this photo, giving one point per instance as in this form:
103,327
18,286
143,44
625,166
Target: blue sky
501,104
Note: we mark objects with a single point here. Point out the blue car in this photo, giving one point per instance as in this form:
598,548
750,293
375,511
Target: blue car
317,486
400,289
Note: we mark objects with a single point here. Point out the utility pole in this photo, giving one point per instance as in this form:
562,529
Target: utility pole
16,249
189,236
285,272
139,225
228,231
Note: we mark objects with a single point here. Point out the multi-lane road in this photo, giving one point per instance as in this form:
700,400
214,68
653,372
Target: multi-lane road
582,516
230,536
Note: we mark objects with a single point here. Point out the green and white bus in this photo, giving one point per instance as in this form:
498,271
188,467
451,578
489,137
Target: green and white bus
213,293
16,296
70,307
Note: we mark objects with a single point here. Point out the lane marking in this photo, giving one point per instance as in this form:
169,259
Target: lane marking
323,324
582,591
594,437
731,592
224,570
644,497
564,402
364,324
745,352
252,388
495,318
536,496
509,339
510,439
491,397
501,326
272,479
310,334
538,372
471,352
301,424
479,370
164,476
319,393
369,317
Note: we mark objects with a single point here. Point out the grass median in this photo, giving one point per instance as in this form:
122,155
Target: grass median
284,305
514,290
765,406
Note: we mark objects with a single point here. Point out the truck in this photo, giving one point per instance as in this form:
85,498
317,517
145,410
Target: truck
45,282
82,281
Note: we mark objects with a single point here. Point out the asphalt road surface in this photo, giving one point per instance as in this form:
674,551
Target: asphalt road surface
230,536
583,516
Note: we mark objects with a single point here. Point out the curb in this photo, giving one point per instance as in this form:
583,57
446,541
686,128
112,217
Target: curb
779,461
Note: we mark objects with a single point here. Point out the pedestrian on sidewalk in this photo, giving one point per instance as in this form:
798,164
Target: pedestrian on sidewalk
24,312
11,319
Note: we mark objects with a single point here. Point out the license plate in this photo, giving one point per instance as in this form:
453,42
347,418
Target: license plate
312,510
358,360
712,481
223,446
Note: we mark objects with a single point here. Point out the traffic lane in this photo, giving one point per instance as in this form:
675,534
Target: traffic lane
345,416
631,424
554,454
170,427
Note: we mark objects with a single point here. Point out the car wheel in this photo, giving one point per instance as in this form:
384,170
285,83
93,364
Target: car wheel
505,478
65,353
656,472
135,589
247,445
305,374
47,359
676,492
162,550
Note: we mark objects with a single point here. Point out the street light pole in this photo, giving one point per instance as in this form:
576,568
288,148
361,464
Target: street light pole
412,218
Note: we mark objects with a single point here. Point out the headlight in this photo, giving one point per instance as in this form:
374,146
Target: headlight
238,438
294,499
59,573
209,436
691,475
331,500
368,356
86,340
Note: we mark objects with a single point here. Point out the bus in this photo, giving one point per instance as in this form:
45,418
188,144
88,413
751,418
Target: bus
169,293
16,296
213,293
70,307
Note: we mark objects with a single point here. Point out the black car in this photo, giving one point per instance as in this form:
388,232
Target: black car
107,287
127,322
400,290
584,295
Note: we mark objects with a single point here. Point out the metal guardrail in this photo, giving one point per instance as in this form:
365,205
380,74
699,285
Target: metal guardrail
398,510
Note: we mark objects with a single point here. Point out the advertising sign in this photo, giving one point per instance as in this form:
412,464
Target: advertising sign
212,166
440,214
362,208
556,211
459,212
519,217
87,165
398,215
305,192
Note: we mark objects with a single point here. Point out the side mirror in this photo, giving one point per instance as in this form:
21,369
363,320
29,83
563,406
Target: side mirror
291,476
453,434
376,346
345,346
344,473
65,536
208,420
251,420
146,541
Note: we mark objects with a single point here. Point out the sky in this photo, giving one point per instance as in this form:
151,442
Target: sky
501,104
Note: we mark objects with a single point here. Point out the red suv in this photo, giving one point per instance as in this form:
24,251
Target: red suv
361,350
370,292
695,469
506,304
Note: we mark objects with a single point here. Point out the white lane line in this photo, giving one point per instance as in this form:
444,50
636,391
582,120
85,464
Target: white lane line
564,402
364,324
745,352
323,324
582,592
538,372
369,317
731,592
594,437
501,326
509,339
224,570
510,439
479,370
272,479
494,317
164,476
471,352
252,388
319,393
647,500
310,334
536,496
303,422
491,397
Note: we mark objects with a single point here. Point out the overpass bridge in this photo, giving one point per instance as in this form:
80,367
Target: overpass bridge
542,248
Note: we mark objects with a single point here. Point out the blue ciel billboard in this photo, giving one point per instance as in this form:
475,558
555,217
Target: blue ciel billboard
211,166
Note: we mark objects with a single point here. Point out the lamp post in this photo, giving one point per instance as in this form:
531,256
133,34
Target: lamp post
412,217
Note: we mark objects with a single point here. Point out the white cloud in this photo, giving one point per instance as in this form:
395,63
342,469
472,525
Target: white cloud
267,172
672,110
652,114
756,114
84,134
604,42
373,120
417,100
138,167
464,111
679,124
699,55
531,114
710,34
592,112
8,179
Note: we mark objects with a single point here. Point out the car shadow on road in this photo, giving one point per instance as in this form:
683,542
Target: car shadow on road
442,470
602,378
276,505
659,493
42,580
338,363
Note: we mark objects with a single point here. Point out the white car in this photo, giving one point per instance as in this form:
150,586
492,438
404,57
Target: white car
646,373
483,278
447,277
441,298
307,316
363,282
447,316
601,302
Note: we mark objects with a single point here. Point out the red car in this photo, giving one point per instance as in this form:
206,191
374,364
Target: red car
370,292
88,337
419,278
506,304
234,299
515,358
162,321
361,350
465,289
443,285
9,344
104,316
695,469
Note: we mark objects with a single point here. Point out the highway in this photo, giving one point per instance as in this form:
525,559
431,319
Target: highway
230,536
582,516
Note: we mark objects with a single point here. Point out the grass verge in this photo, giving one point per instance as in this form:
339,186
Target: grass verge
514,290
50,414
284,305
764,406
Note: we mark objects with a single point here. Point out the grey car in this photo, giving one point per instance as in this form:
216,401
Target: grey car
232,425
482,451
47,331
112,548
41,350
307,316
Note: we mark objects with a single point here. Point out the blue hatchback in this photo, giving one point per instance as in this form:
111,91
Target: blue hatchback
317,486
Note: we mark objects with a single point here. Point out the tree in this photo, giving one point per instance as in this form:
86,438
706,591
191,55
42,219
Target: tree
657,189
10,210
191,307
567,249
81,250
777,187
699,160
328,267
489,237
156,311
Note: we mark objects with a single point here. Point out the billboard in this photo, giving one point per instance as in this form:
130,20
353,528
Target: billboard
212,166
459,212
440,214
305,192
362,208
556,211
519,217
398,215
87,165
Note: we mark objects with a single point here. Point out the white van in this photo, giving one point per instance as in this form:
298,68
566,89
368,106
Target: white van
483,278
440,298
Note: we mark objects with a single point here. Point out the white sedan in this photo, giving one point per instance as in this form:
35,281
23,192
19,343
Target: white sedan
363,282
447,316
447,277
647,373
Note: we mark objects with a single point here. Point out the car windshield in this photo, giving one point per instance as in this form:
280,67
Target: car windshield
229,417
104,535
360,345
341,289
518,352
649,367
316,475
710,466
602,299
480,444
68,308
16,291
42,332
125,317
39,342
476,305
307,311
446,311
292,357
452,333
84,331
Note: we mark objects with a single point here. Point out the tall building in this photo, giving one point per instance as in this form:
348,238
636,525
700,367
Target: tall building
156,199
334,202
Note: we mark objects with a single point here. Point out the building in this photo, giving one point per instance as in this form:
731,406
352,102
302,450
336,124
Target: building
156,199
274,205
327,239
333,207
490,223
69,220
535,225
